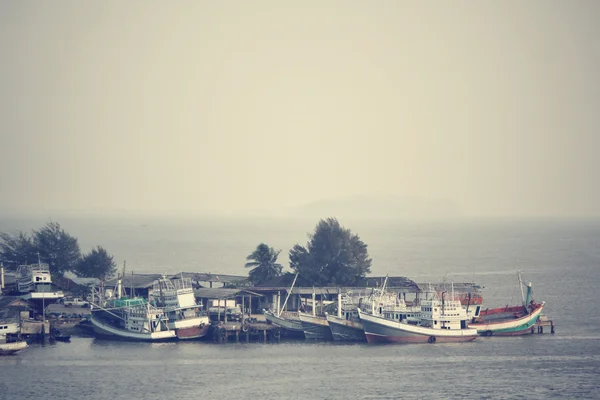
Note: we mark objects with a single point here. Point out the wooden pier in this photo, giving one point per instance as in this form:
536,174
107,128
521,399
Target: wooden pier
541,323
249,330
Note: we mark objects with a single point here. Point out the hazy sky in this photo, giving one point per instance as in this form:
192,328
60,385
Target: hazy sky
225,106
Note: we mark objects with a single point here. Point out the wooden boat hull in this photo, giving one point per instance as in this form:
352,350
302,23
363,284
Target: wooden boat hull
381,330
108,331
344,330
12,347
290,328
315,328
195,332
503,322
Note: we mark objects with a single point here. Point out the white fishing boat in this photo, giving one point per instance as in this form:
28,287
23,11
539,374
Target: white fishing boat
34,281
349,327
119,317
177,299
441,320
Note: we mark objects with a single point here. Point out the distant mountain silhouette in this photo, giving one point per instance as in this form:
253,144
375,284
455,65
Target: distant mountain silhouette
378,206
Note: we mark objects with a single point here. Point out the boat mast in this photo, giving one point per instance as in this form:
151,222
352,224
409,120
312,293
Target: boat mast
521,287
383,289
288,296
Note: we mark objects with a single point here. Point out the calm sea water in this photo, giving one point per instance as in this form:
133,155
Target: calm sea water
560,258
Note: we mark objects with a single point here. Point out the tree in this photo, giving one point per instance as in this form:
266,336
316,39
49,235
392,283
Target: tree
16,250
96,264
333,256
263,262
57,248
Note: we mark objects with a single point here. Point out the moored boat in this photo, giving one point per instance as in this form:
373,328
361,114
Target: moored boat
34,282
9,342
315,327
288,321
179,304
8,348
131,319
509,320
440,320
347,328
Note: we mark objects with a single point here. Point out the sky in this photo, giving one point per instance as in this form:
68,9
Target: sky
221,107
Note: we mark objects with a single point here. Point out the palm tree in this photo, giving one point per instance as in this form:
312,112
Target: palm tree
263,262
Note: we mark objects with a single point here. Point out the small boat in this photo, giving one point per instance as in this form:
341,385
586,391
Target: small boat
510,320
440,320
62,338
8,348
9,344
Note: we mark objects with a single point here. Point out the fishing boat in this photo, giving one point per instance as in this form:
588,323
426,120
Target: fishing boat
176,298
288,321
172,315
346,326
349,327
440,320
315,327
130,319
34,282
510,320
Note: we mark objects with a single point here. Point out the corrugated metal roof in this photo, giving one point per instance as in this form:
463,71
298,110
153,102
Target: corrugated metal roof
81,281
137,281
211,277
460,287
221,293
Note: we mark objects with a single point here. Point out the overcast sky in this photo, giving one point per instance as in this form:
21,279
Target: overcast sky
224,106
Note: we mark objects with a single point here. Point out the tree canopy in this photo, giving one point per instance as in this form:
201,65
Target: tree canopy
96,264
17,249
51,243
263,262
333,256
57,248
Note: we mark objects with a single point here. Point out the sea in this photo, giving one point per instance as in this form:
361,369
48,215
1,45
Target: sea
560,257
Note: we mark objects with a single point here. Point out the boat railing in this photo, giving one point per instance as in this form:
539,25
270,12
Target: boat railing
290,315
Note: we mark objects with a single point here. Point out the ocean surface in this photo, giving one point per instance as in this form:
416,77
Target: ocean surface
560,257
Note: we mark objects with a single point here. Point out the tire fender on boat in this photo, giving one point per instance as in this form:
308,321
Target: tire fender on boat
488,333
244,328
431,339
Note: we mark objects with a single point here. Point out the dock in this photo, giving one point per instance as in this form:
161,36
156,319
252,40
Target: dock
541,323
251,329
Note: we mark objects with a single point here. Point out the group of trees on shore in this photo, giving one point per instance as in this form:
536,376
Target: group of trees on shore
52,245
333,256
